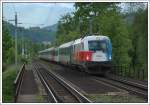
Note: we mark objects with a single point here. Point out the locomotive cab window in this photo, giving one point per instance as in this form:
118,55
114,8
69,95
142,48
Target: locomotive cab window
99,45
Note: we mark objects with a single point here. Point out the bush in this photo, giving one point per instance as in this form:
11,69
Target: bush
8,77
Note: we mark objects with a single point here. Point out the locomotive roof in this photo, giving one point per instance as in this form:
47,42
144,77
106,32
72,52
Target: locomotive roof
95,36
91,37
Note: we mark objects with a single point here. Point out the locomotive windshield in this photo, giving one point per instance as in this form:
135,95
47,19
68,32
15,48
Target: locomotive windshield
97,45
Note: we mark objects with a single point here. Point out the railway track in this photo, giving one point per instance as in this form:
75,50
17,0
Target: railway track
135,88
57,89
136,83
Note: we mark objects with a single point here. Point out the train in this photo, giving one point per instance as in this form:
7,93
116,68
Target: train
91,54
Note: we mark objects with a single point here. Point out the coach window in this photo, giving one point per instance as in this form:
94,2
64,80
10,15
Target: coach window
56,52
62,51
78,46
82,46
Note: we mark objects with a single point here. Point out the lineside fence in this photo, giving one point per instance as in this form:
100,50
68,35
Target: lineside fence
130,72
18,81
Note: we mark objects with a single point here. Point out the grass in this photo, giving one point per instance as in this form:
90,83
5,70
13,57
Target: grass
8,77
40,98
97,98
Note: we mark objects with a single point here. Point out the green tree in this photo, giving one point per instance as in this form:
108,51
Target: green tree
106,20
112,24
140,39
7,46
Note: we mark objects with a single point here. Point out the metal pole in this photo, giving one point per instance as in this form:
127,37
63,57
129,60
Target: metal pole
22,43
16,49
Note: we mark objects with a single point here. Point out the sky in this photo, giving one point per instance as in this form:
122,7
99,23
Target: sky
36,14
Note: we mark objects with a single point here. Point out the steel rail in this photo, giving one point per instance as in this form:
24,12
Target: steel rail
128,82
61,81
49,78
133,88
50,94
130,88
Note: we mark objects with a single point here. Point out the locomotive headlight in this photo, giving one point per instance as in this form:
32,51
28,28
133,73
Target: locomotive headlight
109,57
87,58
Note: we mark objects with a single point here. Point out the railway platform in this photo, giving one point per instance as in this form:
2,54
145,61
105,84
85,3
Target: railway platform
28,89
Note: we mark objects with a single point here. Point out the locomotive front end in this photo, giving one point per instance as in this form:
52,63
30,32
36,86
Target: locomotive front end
98,61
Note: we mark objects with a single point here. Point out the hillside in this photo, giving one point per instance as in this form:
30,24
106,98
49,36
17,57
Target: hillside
51,28
36,34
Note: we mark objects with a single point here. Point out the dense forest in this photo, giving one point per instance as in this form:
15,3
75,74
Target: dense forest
36,34
127,28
